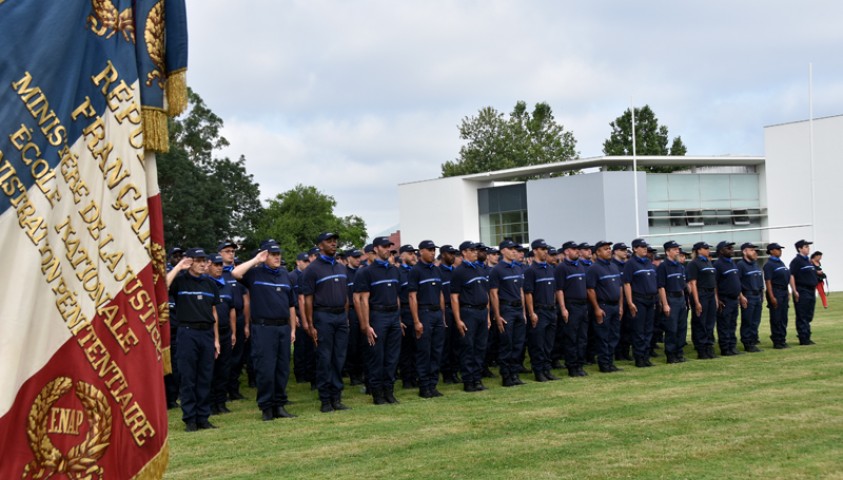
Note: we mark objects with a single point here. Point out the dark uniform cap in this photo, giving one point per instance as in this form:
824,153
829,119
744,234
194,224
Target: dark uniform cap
495,251
619,246
552,251
468,244
522,249
584,246
407,249
340,254
271,247
571,244
671,244
639,242
195,252
226,244
313,251
683,252
724,244
701,245
382,242
539,243
369,248
802,243
176,251
508,244
302,257
651,249
599,244
325,236
353,252
529,254
426,244
481,246
448,249
748,245
774,246
216,259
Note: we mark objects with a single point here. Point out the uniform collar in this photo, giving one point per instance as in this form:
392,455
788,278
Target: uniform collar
220,280
328,259
703,257
508,264
587,262
227,268
406,267
775,259
271,270
447,267
540,264
604,262
426,265
575,263
643,260
382,263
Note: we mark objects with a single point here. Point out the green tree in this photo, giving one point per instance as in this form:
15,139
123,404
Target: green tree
494,142
650,138
204,198
294,218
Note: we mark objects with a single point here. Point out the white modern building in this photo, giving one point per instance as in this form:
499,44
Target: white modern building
794,191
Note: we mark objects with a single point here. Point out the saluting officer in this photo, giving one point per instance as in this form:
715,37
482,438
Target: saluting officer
507,301
325,289
777,279
672,285
450,353
227,330
199,343
376,303
728,293
803,280
171,381
427,306
470,304
272,326
605,294
540,301
702,281
641,295
407,360
752,291
572,297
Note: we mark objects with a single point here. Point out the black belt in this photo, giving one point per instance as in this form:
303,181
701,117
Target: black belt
429,308
675,294
271,322
544,307
474,307
706,290
608,302
729,297
809,287
383,308
643,296
576,301
196,325
329,309
752,292
510,304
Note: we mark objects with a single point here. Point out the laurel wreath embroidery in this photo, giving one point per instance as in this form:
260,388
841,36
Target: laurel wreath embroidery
105,18
159,259
81,460
154,36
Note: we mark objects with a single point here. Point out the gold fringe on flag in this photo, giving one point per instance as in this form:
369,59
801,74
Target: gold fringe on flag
176,92
167,361
155,135
155,468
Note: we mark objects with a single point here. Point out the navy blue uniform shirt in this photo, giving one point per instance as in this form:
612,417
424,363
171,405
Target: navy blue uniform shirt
570,278
380,279
671,276
728,277
804,272
752,279
404,291
446,273
701,270
539,280
605,279
237,289
352,275
226,303
271,292
508,279
777,272
326,280
471,284
426,282
641,275
195,297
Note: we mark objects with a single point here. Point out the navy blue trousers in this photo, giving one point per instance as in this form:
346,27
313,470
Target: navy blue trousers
778,316
171,381
511,340
541,338
196,369
608,333
354,362
450,349
473,343
304,356
675,325
238,357
429,347
727,323
702,326
331,348
271,357
642,327
382,358
575,334
805,312
407,360
222,368
751,319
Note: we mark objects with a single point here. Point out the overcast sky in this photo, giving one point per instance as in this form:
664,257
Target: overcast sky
355,97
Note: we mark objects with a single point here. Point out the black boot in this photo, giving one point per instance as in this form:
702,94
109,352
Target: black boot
573,372
550,376
280,412
326,407
389,395
540,377
507,381
377,396
581,372
640,362
267,415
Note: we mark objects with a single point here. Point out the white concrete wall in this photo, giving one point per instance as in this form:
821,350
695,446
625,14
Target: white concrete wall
788,188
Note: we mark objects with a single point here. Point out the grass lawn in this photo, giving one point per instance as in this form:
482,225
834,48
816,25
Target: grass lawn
777,414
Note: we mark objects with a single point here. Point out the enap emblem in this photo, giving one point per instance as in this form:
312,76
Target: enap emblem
45,419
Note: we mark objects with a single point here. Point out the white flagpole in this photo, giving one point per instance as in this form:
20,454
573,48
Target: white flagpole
635,174
811,145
